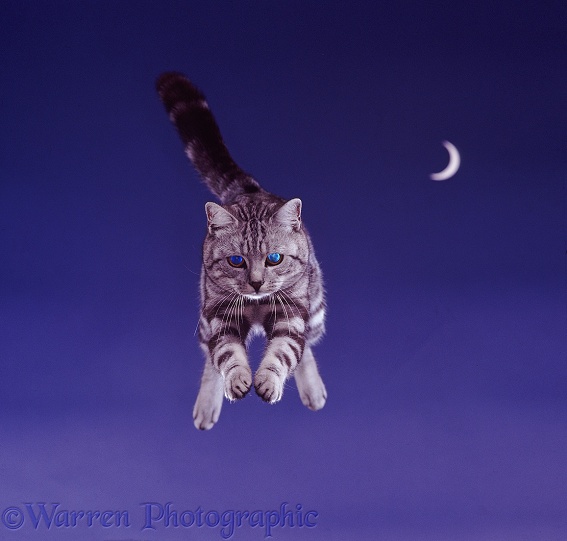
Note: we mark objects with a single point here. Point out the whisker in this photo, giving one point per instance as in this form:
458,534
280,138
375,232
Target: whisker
230,312
240,311
192,271
280,299
226,316
274,308
288,298
220,302
218,306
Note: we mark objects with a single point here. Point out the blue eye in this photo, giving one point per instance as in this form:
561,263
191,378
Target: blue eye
274,258
236,261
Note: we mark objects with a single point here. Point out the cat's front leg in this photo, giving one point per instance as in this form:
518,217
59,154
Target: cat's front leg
226,373
229,357
280,360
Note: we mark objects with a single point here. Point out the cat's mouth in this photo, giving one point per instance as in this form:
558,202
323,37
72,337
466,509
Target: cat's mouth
256,296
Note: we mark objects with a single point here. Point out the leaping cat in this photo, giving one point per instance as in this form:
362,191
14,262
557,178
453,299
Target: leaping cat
259,272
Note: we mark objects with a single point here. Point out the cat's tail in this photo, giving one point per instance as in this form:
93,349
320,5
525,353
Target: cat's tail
188,110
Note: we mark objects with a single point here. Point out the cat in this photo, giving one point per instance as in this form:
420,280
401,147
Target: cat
259,272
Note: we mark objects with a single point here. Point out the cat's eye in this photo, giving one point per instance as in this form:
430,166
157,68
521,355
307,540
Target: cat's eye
274,258
236,261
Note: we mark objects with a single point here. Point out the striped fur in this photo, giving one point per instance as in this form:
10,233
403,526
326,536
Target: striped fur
285,302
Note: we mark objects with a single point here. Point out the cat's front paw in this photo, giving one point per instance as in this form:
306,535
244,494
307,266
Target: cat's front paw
237,382
269,385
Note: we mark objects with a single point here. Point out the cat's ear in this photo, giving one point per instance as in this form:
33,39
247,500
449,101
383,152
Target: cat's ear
290,214
217,217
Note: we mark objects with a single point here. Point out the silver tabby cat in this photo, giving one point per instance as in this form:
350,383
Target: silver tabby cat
259,273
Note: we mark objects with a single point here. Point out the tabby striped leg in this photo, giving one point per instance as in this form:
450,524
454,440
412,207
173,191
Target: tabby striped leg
309,383
229,358
282,356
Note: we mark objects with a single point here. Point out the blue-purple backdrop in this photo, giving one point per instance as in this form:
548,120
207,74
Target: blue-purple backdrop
445,357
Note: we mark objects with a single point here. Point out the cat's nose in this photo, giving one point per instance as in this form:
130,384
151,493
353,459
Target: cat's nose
256,285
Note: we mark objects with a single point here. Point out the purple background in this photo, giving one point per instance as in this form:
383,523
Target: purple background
445,356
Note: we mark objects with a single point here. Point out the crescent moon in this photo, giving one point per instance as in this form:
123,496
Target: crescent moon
452,167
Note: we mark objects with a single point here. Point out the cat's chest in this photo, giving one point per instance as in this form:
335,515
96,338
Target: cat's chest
257,314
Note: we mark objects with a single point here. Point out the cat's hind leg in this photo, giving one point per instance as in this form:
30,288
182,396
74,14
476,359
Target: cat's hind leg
209,400
309,383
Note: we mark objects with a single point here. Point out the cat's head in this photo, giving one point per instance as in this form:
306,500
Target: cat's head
255,250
